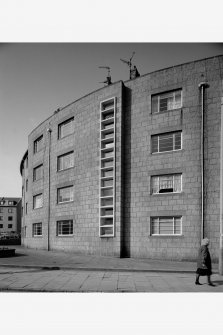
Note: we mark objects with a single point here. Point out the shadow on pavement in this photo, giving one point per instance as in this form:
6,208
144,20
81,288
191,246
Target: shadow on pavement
19,255
218,282
12,272
33,270
13,256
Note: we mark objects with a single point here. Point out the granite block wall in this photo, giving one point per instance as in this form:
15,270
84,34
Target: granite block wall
84,177
141,164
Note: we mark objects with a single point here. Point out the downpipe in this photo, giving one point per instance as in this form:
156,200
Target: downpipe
49,131
202,87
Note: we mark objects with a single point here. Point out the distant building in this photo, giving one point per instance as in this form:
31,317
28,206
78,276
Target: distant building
10,215
132,169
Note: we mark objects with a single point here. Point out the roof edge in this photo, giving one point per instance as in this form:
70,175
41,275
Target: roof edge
173,66
62,108
22,161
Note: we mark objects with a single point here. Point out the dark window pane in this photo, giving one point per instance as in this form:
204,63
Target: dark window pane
155,144
166,143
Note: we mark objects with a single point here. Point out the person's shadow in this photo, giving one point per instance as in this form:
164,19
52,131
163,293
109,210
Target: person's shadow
217,282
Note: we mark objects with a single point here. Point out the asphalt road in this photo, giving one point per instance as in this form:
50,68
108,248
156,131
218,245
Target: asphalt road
45,280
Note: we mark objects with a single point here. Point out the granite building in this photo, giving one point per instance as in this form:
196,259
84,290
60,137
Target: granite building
132,169
10,215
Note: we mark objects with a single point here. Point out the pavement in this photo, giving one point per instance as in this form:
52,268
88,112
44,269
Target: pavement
36,258
32,270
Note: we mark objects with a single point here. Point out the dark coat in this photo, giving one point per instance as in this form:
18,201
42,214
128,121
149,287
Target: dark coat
204,261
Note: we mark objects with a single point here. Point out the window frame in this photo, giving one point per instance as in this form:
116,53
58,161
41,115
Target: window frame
35,228
174,141
62,188
34,197
63,222
159,98
34,172
173,182
166,217
64,155
60,125
35,144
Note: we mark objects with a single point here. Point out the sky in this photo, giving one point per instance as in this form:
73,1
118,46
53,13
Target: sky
38,78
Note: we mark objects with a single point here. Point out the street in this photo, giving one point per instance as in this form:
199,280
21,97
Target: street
49,280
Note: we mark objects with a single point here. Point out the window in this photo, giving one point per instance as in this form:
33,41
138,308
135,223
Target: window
37,229
1,210
66,128
65,194
166,225
10,210
26,185
166,184
9,225
38,172
1,218
11,203
22,190
38,144
26,207
2,202
38,201
1,225
166,101
65,161
166,142
64,227
10,218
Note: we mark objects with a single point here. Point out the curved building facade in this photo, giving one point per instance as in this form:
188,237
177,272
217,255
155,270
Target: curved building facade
132,169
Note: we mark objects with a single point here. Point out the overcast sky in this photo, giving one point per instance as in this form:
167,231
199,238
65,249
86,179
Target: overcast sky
36,79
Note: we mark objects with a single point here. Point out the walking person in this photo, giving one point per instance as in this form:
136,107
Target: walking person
204,263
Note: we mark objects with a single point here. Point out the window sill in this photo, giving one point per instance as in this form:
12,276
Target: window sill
168,193
65,236
168,111
38,236
37,208
66,202
36,181
166,152
70,168
36,152
165,236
